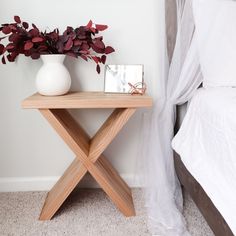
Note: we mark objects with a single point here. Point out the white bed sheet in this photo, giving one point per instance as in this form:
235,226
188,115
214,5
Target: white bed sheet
206,143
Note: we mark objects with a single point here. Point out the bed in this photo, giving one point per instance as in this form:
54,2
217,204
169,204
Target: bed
205,158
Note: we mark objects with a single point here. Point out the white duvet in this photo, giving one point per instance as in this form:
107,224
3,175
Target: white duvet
206,143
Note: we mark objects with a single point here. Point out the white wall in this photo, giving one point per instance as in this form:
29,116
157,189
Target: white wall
32,155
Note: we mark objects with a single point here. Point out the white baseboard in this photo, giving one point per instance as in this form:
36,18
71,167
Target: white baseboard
46,183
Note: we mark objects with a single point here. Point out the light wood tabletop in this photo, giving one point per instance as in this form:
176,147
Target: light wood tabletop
87,100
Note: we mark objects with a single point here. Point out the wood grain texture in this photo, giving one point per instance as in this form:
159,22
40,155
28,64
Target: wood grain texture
62,189
113,185
100,168
87,100
108,131
58,120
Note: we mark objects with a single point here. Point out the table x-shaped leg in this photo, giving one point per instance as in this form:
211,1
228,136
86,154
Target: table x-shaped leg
89,158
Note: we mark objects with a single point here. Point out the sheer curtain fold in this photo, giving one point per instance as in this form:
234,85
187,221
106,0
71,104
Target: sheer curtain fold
163,195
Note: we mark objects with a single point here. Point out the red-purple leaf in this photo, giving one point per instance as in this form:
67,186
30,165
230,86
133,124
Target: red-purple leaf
97,50
95,59
34,32
60,46
3,60
89,25
84,52
34,26
103,59
69,29
6,30
42,48
35,56
12,27
68,45
77,42
109,50
63,38
9,58
13,56
101,27
99,59
85,46
37,40
25,25
98,69
81,36
84,57
14,37
28,45
72,54
93,29
17,19
72,35
52,36
1,49
27,53
10,46
99,44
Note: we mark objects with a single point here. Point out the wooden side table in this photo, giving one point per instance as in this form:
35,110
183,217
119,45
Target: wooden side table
88,151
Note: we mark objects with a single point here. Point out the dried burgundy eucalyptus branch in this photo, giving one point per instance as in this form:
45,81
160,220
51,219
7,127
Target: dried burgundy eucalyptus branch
76,42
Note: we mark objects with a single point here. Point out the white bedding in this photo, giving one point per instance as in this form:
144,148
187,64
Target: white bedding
206,143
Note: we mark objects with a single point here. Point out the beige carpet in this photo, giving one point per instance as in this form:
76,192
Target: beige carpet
85,213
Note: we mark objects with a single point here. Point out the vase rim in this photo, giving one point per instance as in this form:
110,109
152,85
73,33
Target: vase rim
48,55
53,58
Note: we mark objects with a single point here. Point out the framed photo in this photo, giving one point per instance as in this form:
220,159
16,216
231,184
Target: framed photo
118,77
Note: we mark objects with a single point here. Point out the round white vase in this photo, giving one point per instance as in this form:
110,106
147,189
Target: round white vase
53,78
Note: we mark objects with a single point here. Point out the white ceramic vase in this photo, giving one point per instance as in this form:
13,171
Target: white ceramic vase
53,78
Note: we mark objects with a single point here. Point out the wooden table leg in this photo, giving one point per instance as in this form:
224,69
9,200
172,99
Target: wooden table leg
62,189
89,158
113,185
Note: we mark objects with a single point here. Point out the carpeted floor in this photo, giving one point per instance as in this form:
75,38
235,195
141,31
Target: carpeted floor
85,213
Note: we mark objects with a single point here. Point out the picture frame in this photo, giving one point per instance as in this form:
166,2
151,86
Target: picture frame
119,78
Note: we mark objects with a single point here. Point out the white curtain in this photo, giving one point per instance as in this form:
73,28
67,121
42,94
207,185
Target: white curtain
183,77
